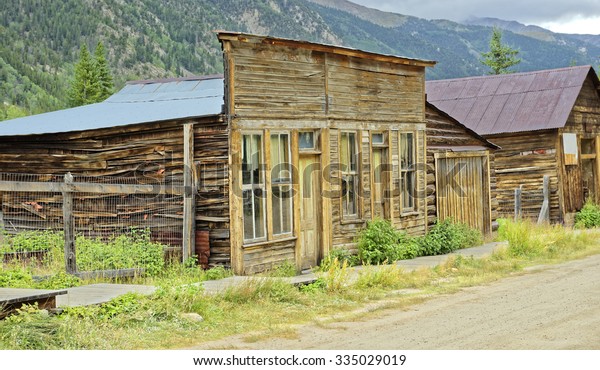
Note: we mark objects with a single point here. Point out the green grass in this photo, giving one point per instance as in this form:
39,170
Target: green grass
269,308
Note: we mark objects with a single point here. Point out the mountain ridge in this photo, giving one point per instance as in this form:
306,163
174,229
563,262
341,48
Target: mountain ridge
148,39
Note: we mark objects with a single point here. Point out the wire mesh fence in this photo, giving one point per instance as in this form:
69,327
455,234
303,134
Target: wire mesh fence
117,222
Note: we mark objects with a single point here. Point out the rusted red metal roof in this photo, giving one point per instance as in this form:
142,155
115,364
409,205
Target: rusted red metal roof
508,103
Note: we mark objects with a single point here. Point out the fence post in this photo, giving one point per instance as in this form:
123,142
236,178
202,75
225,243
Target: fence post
189,200
69,227
545,211
518,194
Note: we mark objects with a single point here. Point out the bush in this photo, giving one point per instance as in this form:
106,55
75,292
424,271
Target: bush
342,256
123,251
588,217
31,241
447,236
380,242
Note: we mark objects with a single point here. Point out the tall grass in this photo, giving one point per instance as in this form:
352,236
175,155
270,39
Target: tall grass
269,306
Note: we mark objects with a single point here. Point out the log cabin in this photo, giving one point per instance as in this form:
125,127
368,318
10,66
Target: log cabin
292,150
460,173
547,123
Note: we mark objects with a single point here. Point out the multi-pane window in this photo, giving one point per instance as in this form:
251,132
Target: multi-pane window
349,173
281,184
407,171
253,187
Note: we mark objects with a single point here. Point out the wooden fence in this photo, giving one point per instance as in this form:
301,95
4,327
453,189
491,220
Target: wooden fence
168,205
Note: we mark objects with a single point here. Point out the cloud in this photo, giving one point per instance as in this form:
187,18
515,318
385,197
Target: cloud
529,12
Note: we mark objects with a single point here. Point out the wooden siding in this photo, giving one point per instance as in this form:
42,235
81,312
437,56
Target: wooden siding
211,148
443,136
278,82
144,151
275,86
584,121
524,159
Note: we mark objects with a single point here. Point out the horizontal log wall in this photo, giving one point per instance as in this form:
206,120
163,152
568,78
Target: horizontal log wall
524,159
151,153
211,158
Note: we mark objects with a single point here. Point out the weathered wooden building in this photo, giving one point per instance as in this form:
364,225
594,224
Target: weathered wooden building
292,150
460,173
546,123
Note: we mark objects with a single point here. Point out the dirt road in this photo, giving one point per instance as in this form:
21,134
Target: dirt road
557,307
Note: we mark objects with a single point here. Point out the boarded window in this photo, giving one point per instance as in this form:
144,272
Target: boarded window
281,184
253,187
349,172
407,171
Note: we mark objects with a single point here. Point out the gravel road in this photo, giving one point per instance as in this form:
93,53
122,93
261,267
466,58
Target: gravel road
554,307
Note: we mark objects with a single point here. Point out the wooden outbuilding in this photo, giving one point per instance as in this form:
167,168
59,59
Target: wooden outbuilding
291,151
460,173
547,123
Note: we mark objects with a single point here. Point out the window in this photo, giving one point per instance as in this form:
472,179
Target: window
306,140
349,172
377,138
253,187
407,171
281,184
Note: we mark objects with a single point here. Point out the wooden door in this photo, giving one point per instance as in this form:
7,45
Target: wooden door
310,200
461,191
380,205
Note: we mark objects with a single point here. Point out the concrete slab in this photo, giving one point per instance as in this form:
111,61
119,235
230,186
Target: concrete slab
99,293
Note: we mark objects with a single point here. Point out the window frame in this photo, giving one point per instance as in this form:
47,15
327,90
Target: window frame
251,186
404,172
289,183
355,174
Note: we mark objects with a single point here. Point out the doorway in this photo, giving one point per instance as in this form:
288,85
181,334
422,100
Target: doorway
310,206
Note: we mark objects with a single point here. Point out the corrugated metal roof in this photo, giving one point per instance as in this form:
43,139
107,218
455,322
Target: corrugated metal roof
138,102
516,102
486,144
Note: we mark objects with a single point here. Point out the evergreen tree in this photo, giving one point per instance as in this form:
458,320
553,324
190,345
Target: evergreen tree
500,57
105,79
85,85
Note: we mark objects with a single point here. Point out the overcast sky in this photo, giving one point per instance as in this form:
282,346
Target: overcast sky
568,16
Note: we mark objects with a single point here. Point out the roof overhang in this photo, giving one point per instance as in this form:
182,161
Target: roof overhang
326,48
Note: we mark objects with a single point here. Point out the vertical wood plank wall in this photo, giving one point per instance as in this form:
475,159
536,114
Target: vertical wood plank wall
443,136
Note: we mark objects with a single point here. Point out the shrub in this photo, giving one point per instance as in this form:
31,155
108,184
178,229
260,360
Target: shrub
588,217
380,242
124,251
447,236
31,241
341,255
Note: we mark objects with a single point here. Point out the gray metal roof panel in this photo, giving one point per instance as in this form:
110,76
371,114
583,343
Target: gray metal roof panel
134,104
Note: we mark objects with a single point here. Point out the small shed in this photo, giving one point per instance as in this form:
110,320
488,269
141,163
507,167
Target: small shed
291,151
547,123
460,173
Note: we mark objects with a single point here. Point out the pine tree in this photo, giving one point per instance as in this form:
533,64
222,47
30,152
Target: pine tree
84,88
500,57
93,81
105,79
